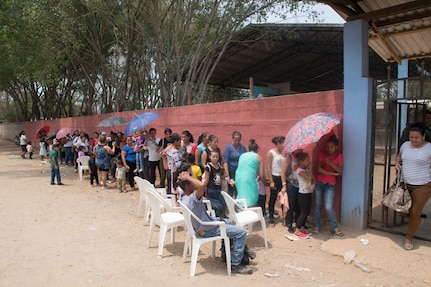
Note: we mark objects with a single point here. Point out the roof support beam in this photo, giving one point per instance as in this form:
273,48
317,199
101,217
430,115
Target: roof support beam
385,43
400,33
405,18
391,11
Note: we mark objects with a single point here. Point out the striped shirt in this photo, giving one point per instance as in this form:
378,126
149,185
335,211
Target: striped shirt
416,163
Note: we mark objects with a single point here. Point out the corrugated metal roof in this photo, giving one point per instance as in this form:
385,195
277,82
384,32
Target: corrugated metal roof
399,29
307,56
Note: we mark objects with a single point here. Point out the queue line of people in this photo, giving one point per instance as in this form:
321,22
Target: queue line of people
237,170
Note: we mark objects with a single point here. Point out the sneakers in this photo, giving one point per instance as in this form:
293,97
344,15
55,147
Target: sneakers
140,170
305,231
301,235
61,183
241,269
315,230
408,245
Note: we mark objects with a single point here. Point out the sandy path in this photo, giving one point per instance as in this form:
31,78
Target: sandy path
74,235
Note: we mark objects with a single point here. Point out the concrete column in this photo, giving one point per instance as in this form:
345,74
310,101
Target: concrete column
357,126
403,73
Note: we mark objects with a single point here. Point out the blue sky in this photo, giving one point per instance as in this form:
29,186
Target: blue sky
329,16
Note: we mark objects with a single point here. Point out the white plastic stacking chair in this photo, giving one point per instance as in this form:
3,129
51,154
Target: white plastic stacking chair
82,165
195,241
245,216
144,185
164,217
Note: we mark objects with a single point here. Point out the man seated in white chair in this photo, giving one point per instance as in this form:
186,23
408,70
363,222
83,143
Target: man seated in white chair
192,197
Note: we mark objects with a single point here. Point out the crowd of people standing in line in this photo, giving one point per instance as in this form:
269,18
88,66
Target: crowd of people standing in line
239,170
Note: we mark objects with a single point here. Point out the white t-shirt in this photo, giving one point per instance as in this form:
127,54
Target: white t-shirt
304,184
277,162
416,164
22,140
153,155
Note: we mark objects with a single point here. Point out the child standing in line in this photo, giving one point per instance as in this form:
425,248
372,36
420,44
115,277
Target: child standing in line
329,167
120,175
29,148
81,151
139,150
42,149
196,170
307,185
55,168
213,179
93,169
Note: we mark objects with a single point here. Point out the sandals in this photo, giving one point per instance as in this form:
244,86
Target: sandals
338,232
315,230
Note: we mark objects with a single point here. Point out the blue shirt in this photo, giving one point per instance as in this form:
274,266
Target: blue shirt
231,156
197,206
131,155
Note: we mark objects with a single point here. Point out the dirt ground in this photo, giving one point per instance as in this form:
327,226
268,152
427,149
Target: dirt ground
76,235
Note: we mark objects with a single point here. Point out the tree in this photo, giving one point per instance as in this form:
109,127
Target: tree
76,57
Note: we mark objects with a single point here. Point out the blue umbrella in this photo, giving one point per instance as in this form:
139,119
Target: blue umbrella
140,121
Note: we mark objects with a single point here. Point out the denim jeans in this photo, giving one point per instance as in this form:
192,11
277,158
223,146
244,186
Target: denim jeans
139,160
217,201
68,154
55,173
325,191
238,235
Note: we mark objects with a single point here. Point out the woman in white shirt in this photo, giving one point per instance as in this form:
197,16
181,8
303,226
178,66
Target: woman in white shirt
274,159
414,160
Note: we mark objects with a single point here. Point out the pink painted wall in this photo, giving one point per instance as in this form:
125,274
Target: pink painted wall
261,119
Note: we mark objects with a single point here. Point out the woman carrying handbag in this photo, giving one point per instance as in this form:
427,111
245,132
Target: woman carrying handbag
414,161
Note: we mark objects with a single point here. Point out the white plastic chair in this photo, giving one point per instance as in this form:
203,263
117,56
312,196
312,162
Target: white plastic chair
245,216
165,220
82,165
210,210
195,241
143,186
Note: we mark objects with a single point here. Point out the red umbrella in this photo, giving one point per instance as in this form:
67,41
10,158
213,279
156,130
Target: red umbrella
43,131
309,130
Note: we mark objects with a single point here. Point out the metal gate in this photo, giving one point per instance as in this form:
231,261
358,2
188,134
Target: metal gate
397,104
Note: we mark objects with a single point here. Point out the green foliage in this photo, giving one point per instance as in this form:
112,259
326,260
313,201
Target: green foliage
70,57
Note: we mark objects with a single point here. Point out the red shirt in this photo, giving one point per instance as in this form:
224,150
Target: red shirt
337,159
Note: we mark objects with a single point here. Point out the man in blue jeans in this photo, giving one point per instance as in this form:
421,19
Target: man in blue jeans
192,198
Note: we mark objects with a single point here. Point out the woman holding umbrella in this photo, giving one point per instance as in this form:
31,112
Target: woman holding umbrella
128,156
